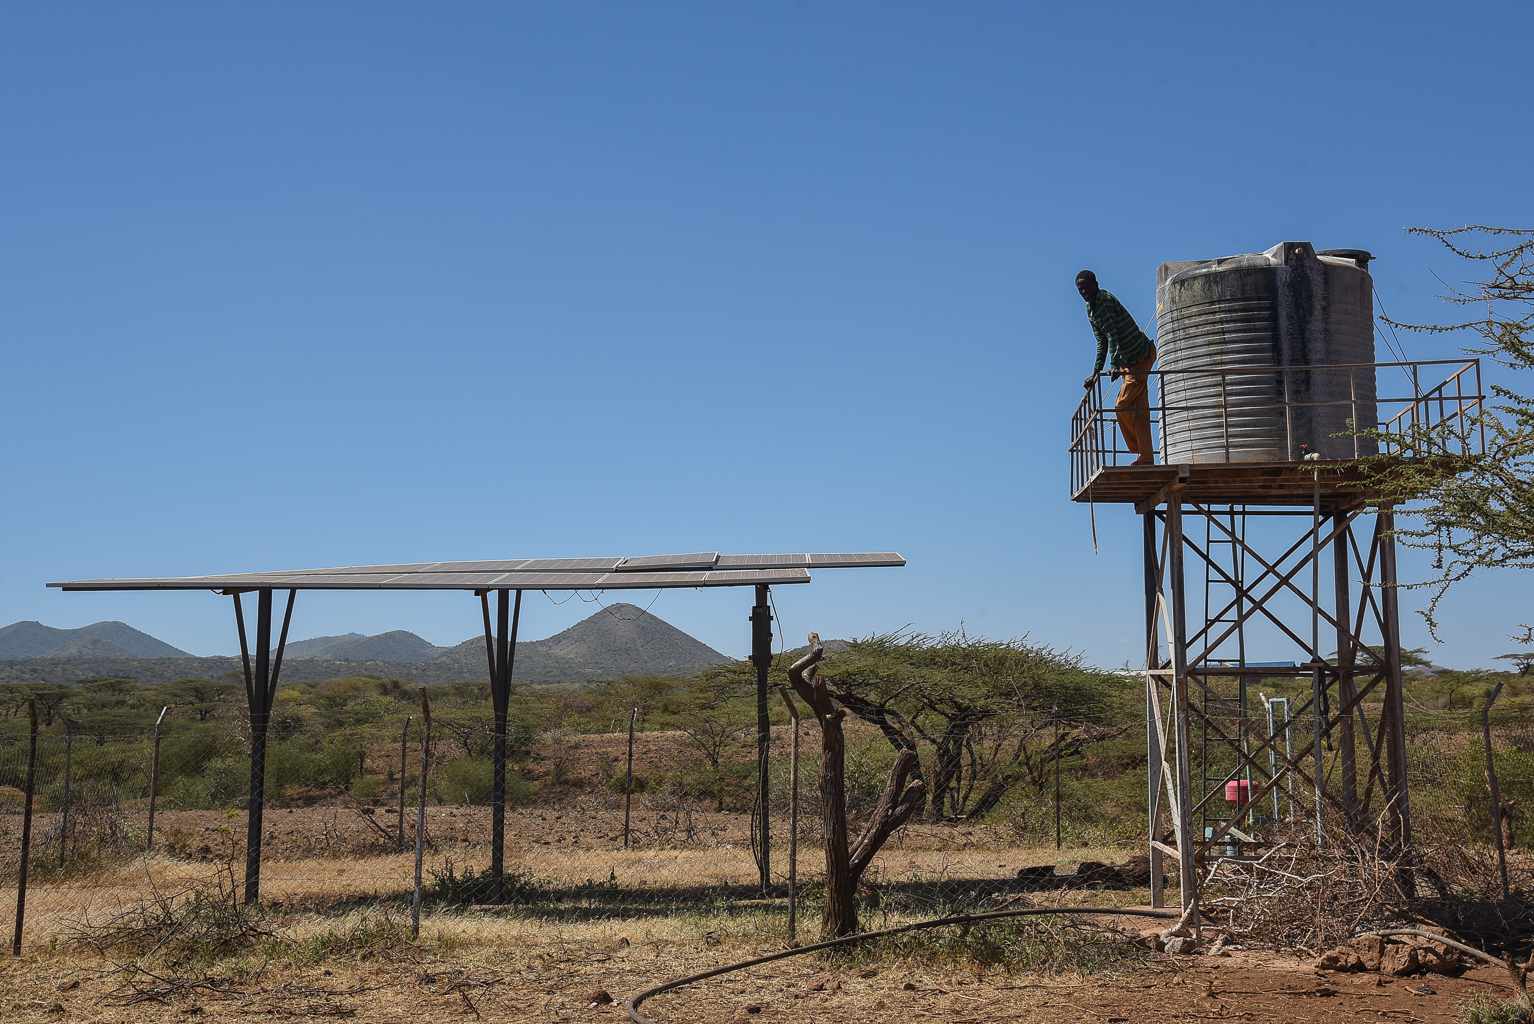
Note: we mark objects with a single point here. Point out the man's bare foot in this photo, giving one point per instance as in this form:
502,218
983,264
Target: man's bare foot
1142,462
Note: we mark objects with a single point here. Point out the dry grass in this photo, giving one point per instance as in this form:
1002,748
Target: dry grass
334,942
55,909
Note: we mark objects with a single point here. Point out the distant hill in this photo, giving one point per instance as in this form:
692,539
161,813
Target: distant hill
619,639
87,646
99,640
398,645
312,648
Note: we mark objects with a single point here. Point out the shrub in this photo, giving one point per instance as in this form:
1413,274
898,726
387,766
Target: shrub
1515,781
288,765
470,780
619,783
339,761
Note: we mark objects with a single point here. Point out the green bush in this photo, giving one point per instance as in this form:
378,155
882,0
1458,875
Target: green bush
1515,781
339,761
188,752
619,783
369,787
288,764
470,780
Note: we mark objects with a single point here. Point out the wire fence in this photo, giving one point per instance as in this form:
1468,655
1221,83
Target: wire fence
125,810
589,832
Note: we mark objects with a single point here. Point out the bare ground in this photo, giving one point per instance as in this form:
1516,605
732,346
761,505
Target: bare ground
497,970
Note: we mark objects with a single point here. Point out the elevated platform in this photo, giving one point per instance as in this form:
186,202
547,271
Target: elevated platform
1233,483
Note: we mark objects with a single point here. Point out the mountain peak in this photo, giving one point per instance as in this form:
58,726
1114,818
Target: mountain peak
110,639
395,645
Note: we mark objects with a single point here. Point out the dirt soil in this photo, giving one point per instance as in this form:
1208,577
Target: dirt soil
554,980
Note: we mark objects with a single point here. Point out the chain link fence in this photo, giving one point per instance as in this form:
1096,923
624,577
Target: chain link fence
587,834
124,809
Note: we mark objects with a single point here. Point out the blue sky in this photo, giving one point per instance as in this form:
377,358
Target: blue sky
295,284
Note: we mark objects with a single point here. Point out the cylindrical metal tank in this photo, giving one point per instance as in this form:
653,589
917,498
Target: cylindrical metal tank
1260,355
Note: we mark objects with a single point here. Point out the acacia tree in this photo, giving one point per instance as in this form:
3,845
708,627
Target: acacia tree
985,709
846,861
1473,511
204,698
712,715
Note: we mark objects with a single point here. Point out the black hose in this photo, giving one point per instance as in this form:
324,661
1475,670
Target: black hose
633,1004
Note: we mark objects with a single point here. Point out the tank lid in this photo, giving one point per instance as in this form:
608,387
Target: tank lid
1359,256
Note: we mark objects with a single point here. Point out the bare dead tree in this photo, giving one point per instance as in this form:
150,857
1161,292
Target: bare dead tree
846,861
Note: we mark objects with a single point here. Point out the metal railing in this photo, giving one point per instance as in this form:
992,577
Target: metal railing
1448,411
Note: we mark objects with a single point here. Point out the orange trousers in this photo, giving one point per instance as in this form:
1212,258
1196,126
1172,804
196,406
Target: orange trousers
1133,409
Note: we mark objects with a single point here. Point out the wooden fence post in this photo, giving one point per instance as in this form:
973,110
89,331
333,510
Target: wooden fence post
1491,784
154,778
69,760
420,815
26,829
628,787
404,735
793,816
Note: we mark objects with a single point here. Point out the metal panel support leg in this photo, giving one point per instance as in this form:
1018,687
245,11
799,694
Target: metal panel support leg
1152,737
1399,805
260,691
761,658
1187,844
507,616
1346,737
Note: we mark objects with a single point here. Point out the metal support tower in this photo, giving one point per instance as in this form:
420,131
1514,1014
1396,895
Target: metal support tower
1331,732
1355,692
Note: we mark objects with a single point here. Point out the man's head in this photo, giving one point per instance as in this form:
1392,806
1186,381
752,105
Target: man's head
1086,284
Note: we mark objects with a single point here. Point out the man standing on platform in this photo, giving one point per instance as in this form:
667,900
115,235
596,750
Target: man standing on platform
1131,354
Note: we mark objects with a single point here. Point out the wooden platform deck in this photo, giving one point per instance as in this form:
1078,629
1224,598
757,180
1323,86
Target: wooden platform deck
1241,483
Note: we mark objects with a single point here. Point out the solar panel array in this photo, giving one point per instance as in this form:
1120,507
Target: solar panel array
646,572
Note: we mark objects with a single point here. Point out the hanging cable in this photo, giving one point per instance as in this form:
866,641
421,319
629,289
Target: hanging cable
597,596
1397,349
781,631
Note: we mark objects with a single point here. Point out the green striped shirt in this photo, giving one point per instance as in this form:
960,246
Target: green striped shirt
1117,333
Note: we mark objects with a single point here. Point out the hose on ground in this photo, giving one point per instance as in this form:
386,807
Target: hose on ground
633,1004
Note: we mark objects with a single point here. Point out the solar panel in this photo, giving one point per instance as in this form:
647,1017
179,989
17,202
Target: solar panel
449,580
338,570
497,566
673,563
860,560
763,562
766,576
643,580
551,580
697,569
569,565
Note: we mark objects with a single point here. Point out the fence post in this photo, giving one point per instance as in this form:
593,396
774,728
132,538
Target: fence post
420,815
1491,784
69,758
26,829
793,816
154,778
1057,778
404,735
628,787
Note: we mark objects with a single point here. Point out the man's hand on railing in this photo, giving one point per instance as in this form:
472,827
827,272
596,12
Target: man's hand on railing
1089,381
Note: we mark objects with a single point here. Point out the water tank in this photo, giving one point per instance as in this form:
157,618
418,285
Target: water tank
1225,327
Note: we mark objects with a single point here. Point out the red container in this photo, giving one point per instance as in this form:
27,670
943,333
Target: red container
1238,792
